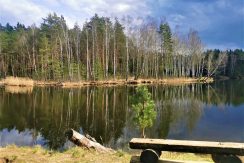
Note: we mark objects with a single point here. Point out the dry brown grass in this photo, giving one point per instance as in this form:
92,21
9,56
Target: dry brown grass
18,81
71,84
131,81
39,155
76,154
77,84
45,83
186,156
169,81
1,82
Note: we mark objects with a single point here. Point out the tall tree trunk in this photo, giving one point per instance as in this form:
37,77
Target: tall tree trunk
127,58
61,56
93,52
33,48
77,52
87,56
114,55
106,49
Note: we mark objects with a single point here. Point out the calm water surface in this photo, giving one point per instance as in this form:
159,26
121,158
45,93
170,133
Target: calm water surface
213,112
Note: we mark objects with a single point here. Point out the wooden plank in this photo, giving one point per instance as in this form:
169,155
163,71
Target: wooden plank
207,147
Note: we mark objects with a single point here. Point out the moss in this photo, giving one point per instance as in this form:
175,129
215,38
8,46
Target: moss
119,153
76,153
11,158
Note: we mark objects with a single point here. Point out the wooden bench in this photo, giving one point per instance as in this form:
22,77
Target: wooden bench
152,147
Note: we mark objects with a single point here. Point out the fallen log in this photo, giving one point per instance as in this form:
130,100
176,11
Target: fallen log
87,142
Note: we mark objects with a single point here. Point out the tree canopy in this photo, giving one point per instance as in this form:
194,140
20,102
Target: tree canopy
104,48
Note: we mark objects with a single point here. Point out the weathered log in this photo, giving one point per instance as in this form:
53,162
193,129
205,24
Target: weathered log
83,141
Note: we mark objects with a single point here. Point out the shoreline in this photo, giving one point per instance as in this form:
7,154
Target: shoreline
27,82
37,153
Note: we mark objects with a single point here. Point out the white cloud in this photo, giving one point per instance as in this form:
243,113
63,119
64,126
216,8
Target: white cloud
32,11
177,20
223,3
200,15
223,46
193,14
122,7
241,12
22,11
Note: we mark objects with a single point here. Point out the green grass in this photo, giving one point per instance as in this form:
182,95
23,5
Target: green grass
37,154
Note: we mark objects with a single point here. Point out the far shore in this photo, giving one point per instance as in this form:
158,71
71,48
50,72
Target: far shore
19,81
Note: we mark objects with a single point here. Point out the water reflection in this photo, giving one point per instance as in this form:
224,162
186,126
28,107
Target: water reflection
184,112
18,89
23,138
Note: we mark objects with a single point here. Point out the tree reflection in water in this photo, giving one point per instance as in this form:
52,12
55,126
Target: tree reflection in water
104,112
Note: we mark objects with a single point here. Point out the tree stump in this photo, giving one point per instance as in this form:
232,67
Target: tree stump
150,155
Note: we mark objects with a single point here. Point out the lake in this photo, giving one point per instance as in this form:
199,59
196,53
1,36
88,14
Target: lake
31,116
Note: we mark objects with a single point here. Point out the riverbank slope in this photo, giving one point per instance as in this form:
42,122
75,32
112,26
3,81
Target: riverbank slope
18,81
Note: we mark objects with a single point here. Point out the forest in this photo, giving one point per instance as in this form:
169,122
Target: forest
108,48
232,65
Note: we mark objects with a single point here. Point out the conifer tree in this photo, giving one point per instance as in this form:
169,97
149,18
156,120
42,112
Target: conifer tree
144,108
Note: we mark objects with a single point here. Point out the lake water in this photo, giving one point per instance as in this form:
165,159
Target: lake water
213,112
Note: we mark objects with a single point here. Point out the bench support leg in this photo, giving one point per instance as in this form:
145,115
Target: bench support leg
150,155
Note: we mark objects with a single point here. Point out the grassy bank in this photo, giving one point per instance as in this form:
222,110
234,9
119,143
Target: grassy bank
17,81
77,154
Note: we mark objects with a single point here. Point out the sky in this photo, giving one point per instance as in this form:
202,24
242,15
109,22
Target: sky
220,23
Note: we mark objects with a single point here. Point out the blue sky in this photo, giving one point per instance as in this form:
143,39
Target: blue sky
220,23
